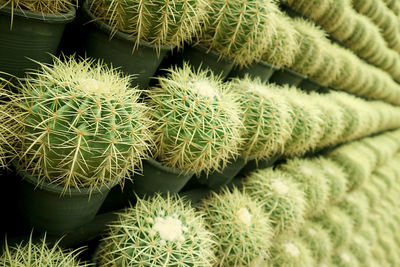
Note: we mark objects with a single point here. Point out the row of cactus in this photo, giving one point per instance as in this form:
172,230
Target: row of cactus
356,31
79,123
40,6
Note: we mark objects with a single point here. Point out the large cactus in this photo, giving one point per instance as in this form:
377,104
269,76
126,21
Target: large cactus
160,22
241,30
82,124
197,126
157,232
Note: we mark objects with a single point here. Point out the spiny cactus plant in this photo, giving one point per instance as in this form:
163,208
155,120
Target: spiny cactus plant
157,232
38,254
307,122
265,118
281,198
344,258
289,251
338,225
284,44
196,120
81,124
368,233
242,229
317,240
40,6
371,192
241,30
158,22
359,247
355,205
312,181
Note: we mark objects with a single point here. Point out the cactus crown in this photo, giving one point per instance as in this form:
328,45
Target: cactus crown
39,254
197,126
289,251
157,232
265,117
160,22
40,6
242,229
82,124
241,30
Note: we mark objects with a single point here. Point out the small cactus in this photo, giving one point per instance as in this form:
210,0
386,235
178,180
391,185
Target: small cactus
196,121
355,205
242,229
158,22
157,232
360,248
38,254
266,118
82,124
281,197
344,258
290,251
317,240
56,7
241,30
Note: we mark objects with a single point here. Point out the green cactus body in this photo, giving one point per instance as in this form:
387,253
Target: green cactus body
282,198
368,233
356,207
160,22
83,125
157,232
371,192
265,118
312,181
196,121
318,241
289,251
242,229
241,30
344,258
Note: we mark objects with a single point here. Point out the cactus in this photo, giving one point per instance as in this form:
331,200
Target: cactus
360,248
355,205
242,229
56,7
338,225
158,22
38,254
371,192
344,258
282,199
368,233
196,120
290,251
241,30
265,118
312,181
284,45
82,124
317,240
157,232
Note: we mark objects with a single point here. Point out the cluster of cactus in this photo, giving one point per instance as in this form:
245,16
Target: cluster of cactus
240,30
356,31
40,6
35,253
157,232
81,124
158,22
196,118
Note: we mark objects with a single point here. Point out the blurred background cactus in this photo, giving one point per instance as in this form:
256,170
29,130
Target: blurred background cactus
196,121
158,22
157,232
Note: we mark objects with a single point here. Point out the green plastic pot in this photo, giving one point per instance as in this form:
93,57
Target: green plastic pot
216,180
142,62
200,56
260,69
157,178
31,36
254,164
287,76
310,85
195,196
45,208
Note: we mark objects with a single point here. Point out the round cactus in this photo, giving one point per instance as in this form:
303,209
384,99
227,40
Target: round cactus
318,241
241,30
290,252
312,181
265,118
338,225
196,120
82,124
39,254
307,122
242,229
157,232
281,197
368,233
158,22
356,207
344,258
56,7
371,192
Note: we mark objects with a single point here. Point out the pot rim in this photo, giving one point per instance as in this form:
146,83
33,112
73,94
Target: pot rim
47,18
165,168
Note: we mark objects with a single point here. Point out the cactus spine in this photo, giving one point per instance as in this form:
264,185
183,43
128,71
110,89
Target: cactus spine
40,6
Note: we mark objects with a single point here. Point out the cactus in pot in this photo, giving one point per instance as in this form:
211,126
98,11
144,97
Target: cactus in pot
40,6
158,22
157,232
196,121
